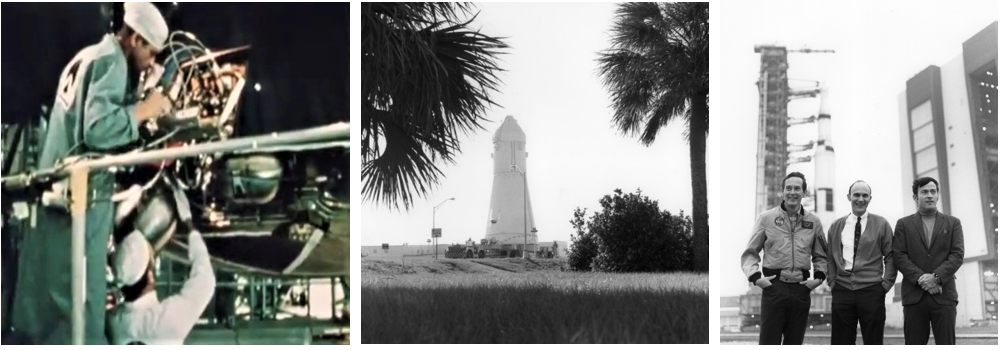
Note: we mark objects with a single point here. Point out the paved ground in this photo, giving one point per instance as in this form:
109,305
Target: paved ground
964,336
375,268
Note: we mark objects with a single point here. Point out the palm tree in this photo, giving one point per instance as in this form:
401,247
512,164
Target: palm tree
657,71
426,77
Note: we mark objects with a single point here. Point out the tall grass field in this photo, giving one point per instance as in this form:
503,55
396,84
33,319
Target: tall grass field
534,307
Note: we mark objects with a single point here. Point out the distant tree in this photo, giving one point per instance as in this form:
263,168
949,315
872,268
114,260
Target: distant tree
426,79
584,247
631,234
657,71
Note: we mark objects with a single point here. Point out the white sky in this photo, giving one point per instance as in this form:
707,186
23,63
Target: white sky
576,156
879,44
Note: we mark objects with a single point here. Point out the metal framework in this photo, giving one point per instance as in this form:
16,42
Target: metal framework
774,95
78,174
773,122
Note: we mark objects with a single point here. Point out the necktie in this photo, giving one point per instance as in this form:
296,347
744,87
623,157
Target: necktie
858,234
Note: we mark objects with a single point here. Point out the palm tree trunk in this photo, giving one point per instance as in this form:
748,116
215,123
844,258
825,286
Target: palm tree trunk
698,127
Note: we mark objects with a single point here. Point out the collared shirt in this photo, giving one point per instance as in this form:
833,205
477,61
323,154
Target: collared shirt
848,238
149,321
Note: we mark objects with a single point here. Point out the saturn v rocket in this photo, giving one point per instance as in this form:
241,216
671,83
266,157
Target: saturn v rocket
510,219
823,160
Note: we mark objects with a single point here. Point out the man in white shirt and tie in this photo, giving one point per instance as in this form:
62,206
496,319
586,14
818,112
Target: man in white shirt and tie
861,259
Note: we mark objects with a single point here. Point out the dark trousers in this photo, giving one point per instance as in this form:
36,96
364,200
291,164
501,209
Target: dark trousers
928,315
43,296
785,308
863,307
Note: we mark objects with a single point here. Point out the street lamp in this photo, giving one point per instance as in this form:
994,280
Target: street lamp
434,224
524,251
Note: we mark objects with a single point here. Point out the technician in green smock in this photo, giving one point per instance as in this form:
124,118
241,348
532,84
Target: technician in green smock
95,111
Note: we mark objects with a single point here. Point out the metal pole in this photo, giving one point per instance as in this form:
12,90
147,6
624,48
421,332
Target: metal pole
524,249
78,192
434,224
262,143
434,213
333,299
253,297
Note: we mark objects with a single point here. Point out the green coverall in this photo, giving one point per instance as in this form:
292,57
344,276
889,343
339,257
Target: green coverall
93,112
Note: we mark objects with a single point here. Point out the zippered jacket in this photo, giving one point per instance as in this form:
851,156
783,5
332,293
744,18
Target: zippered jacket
789,247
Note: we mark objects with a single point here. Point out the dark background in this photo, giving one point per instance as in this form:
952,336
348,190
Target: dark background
299,55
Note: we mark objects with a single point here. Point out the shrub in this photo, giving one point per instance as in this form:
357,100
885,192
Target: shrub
631,234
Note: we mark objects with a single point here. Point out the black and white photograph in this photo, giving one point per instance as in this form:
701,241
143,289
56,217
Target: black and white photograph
534,173
176,174
858,173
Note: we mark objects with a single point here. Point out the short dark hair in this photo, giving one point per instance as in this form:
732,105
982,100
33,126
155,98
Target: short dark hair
126,32
856,183
922,182
133,292
795,174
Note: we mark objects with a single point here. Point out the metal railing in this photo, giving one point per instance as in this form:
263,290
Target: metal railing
78,173
257,289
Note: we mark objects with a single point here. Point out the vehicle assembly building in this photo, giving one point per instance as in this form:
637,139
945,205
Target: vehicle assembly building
949,131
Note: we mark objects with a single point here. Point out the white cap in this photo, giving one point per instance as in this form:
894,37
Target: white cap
132,259
145,19
128,201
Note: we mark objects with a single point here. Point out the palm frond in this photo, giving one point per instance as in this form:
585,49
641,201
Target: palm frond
426,78
659,59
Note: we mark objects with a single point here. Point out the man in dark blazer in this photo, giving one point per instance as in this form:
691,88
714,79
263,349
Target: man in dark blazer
862,271
928,250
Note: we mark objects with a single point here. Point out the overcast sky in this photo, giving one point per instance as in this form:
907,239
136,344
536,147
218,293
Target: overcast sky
576,156
879,45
